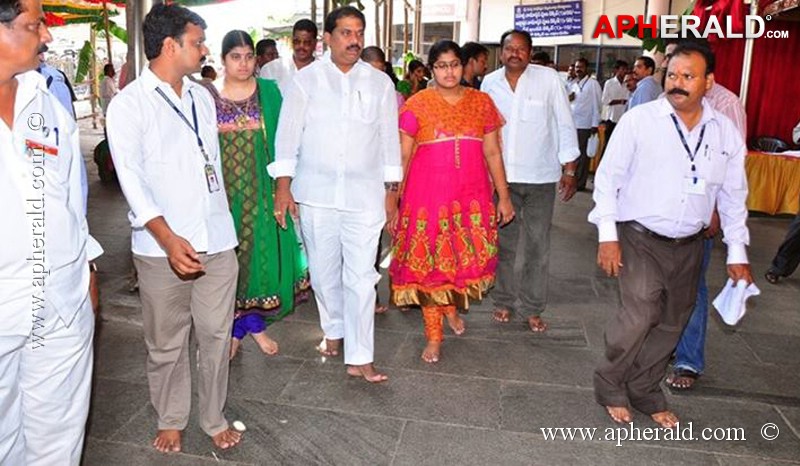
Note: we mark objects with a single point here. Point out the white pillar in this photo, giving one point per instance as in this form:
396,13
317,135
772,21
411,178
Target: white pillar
135,36
471,25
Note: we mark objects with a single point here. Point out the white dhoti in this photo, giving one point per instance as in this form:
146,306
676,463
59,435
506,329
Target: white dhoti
45,386
341,248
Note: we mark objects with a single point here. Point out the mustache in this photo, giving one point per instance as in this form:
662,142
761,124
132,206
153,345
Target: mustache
354,47
678,90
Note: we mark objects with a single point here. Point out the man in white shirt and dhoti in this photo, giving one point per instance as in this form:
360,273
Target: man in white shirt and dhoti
338,148
46,319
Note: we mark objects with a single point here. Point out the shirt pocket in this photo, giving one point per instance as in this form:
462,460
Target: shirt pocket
533,111
365,107
715,165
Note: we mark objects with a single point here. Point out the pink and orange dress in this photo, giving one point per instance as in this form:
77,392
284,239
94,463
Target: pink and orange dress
444,250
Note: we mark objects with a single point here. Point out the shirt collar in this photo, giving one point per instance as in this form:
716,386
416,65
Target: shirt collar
665,108
326,58
151,81
30,83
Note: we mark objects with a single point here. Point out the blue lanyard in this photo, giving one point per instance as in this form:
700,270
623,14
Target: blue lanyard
691,154
194,128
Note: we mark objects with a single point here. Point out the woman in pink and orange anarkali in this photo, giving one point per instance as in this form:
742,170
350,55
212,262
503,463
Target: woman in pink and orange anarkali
444,250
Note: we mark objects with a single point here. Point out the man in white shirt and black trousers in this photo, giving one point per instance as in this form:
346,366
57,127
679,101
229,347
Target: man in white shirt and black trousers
667,164
338,147
162,129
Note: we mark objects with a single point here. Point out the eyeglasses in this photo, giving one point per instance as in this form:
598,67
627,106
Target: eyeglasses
453,65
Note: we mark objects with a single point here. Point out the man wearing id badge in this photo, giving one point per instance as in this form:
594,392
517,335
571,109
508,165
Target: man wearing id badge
162,130
46,319
667,164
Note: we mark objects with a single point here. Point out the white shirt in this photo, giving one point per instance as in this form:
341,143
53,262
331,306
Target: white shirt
161,169
539,135
337,136
587,104
44,232
645,170
280,70
614,90
108,89
796,133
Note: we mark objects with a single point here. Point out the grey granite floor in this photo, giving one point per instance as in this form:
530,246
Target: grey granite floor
487,401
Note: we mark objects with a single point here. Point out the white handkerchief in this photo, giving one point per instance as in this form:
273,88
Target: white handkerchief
730,302
93,248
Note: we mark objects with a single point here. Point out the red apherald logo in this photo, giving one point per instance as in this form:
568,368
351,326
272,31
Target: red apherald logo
679,27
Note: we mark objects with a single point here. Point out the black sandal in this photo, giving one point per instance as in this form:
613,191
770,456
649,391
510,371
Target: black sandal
772,277
682,373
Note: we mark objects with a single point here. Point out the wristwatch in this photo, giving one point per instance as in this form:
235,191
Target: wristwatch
569,173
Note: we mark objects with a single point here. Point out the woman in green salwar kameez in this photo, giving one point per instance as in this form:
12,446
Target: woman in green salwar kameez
273,274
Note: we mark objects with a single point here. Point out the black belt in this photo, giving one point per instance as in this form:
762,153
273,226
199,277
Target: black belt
676,241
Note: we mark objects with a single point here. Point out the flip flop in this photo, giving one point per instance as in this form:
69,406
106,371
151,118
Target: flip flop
501,315
678,374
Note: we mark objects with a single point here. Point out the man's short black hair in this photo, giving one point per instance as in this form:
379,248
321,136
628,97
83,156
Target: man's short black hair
472,50
9,10
305,25
525,35
166,21
621,64
208,71
343,12
263,45
689,47
648,62
540,57
582,60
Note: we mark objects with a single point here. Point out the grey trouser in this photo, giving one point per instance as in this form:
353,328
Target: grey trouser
533,204
658,287
582,172
170,306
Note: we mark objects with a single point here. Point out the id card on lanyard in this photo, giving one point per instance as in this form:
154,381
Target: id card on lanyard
212,181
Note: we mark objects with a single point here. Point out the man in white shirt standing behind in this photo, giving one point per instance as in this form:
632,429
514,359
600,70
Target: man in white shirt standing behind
538,139
162,129
338,148
615,97
586,107
666,166
304,44
46,320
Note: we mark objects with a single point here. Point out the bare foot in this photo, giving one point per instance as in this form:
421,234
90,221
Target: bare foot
168,441
536,324
268,345
235,343
228,438
368,372
620,414
666,419
381,308
456,323
431,352
501,315
330,348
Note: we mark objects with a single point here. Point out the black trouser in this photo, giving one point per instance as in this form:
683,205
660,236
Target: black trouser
582,173
788,256
658,287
